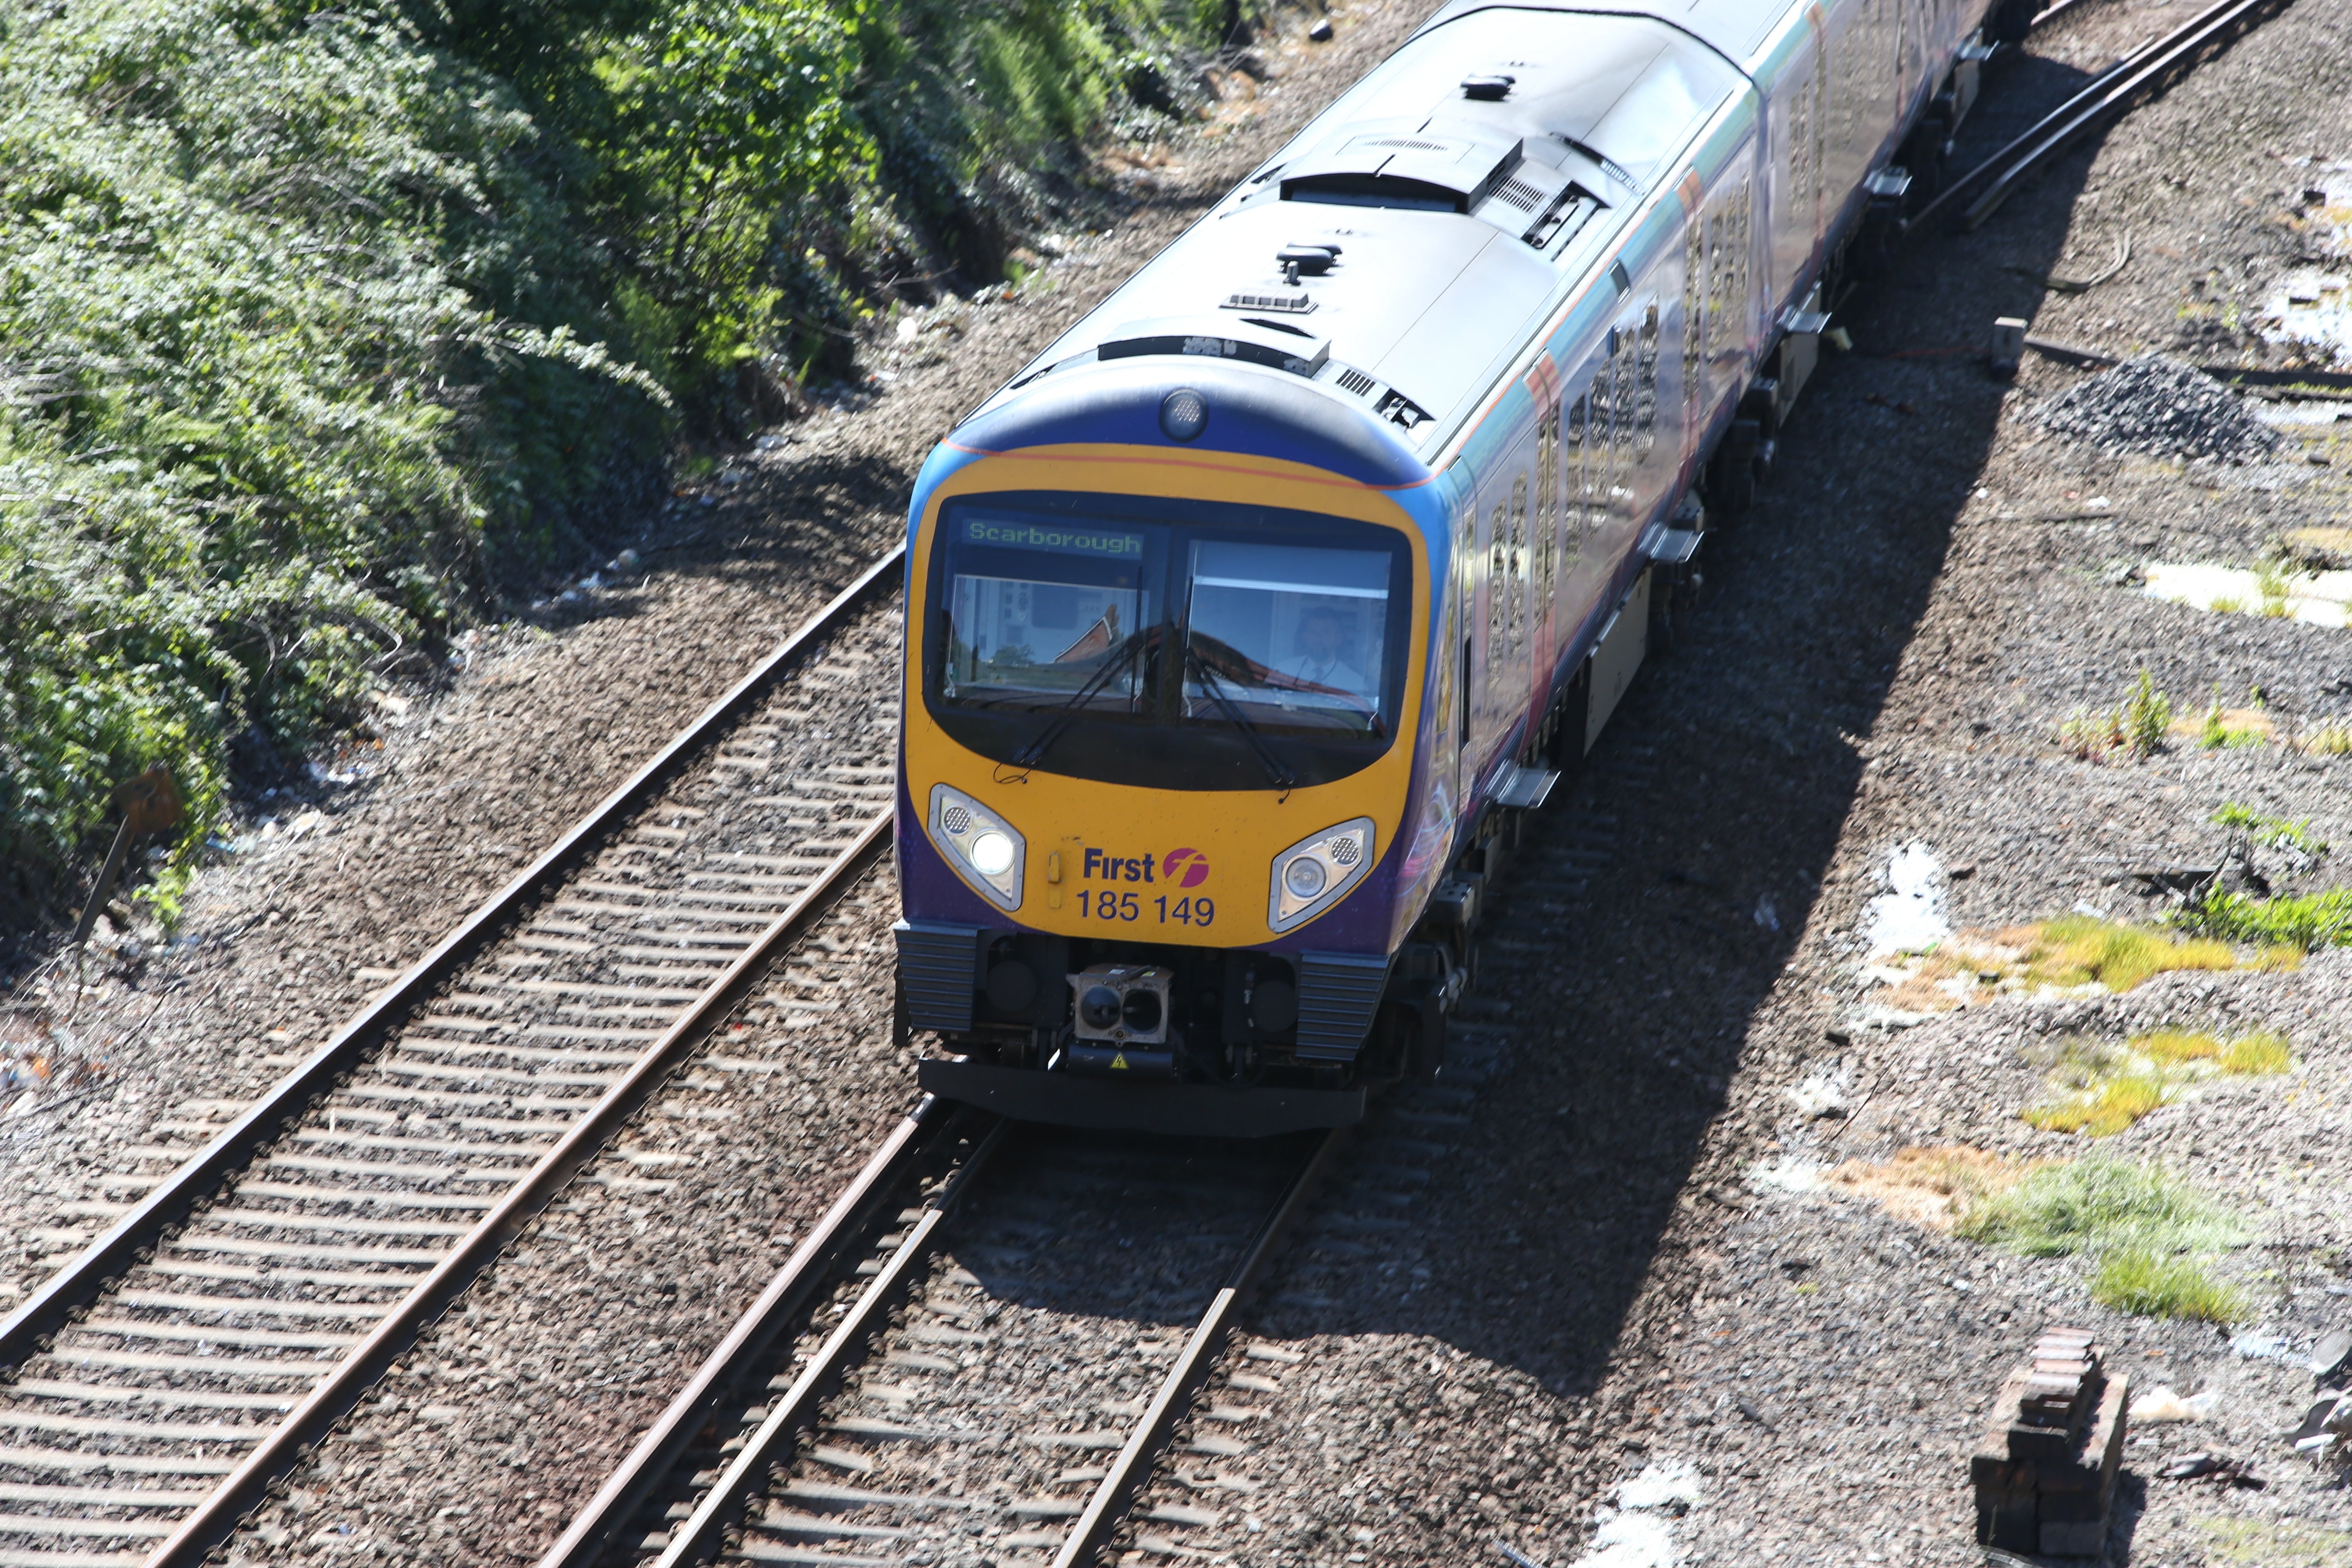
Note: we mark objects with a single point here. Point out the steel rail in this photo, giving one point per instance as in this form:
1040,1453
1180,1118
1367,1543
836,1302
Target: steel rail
2109,95
799,1406
725,1371
78,1283
336,1393
1108,1505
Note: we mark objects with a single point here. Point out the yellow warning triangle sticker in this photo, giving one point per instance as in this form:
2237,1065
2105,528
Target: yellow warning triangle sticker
1119,1060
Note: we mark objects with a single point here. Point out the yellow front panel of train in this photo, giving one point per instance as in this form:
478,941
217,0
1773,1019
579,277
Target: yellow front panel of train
1163,864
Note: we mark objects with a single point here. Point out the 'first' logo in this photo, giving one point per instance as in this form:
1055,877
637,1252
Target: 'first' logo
1190,865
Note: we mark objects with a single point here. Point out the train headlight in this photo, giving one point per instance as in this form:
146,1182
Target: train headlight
1314,873
983,847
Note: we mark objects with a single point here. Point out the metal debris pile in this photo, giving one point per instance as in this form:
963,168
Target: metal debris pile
2161,407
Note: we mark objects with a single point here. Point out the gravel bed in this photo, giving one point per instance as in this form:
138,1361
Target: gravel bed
1933,581
1071,1279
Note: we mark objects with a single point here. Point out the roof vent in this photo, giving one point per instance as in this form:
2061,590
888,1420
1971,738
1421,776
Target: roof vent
1295,304
1488,88
1428,174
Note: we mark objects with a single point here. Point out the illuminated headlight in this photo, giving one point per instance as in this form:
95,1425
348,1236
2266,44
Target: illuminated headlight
1314,873
987,850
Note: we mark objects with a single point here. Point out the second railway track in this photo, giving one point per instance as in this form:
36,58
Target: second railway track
265,1274
995,1374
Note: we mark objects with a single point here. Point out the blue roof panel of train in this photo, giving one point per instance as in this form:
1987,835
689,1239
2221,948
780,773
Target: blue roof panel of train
1461,190
1260,412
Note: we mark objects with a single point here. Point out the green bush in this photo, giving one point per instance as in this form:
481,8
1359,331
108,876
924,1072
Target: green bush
318,324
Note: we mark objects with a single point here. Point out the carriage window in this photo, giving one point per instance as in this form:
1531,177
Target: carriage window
1287,635
1038,612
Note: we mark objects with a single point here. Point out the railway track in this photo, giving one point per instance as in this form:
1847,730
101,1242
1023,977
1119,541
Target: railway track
2146,69
997,1373
283,1253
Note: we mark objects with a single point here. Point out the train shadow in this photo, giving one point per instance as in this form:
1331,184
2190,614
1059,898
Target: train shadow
1543,1241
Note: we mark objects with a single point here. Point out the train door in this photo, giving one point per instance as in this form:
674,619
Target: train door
1799,116
1500,633
1543,538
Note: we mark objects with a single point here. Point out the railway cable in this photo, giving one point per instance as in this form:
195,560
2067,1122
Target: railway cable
739,1467
167,1374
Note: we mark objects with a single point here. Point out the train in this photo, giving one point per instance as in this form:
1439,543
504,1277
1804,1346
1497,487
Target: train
1247,622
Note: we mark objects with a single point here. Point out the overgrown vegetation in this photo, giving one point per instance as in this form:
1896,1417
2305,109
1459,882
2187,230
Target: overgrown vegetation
2135,1279
2307,921
2142,1226
2075,950
318,324
2101,1090
2134,729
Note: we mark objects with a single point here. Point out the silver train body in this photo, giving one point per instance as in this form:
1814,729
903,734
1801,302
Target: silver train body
1542,283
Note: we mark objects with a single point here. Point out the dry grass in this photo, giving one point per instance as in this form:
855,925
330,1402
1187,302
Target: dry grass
1932,1187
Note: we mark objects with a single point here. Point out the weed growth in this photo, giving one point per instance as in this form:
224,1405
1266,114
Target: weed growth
2135,728
2272,832
2271,582
2270,1543
2096,1207
2075,950
2257,1056
2150,1284
2307,921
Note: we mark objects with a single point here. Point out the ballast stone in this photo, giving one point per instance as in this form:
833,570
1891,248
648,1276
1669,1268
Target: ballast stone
2163,408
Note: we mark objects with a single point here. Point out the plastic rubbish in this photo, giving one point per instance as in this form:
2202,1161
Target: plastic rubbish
2261,1347
2332,1355
2165,1404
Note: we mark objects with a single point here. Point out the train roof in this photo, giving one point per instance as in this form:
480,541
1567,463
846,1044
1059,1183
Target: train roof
1451,199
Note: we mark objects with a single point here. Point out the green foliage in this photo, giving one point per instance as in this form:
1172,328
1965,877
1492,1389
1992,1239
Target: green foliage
2095,1206
2149,1284
2135,728
317,323
2304,921
2270,832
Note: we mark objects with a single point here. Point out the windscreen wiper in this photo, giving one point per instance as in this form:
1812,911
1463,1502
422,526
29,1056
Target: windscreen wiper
1119,659
1281,778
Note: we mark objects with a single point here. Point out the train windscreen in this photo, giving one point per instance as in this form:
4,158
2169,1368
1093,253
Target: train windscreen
1113,636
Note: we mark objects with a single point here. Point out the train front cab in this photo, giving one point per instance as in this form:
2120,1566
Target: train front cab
1161,716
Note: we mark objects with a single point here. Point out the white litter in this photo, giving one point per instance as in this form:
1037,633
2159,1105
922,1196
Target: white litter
1910,915
1673,1486
2164,1405
2318,598
2262,1347
1787,1174
1631,1541
1824,1093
